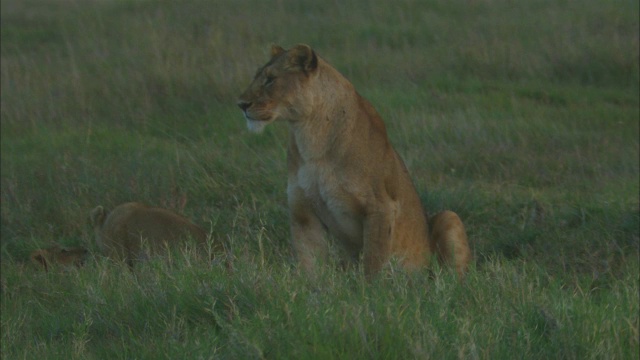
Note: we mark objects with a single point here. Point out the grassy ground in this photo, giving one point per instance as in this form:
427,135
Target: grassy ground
523,117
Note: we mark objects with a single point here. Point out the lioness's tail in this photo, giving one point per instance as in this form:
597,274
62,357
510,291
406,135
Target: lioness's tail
448,239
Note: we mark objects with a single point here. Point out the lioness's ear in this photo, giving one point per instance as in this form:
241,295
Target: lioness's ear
304,57
98,215
276,50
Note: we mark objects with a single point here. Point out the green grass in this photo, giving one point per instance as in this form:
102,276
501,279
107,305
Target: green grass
523,117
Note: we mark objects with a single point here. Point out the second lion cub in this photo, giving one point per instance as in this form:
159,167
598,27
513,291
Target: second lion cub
130,229
59,256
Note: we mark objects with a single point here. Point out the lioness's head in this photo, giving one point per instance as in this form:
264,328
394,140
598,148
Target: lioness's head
56,255
278,88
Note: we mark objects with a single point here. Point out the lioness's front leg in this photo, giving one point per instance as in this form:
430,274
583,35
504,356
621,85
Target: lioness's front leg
377,234
310,245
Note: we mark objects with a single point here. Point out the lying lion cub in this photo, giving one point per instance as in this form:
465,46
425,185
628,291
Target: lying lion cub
344,175
130,229
59,256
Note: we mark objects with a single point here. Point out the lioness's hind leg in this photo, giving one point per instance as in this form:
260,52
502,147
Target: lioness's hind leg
448,239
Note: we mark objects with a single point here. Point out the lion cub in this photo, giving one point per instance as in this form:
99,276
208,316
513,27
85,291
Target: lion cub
129,230
59,256
343,173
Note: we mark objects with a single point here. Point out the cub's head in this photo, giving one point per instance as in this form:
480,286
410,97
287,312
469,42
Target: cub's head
98,216
58,256
277,89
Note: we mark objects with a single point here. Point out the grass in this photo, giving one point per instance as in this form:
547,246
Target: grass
522,117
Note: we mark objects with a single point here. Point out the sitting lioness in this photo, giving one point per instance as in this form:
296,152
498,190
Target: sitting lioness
59,256
130,229
343,173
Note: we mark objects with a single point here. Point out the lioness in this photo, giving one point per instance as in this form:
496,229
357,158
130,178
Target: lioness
56,255
343,173
131,228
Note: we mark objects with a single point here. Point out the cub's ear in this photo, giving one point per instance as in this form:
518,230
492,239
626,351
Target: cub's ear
39,257
276,50
98,214
304,57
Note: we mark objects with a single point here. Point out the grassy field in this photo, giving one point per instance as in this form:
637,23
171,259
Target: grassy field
523,117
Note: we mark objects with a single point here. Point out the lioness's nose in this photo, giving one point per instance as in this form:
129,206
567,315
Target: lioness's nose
244,105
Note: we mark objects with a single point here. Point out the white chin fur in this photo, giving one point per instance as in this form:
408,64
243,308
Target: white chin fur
256,126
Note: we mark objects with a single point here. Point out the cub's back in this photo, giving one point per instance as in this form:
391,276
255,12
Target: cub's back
155,224
161,224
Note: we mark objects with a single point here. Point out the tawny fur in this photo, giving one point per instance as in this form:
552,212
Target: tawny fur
59,256
448,239
343,173
133,231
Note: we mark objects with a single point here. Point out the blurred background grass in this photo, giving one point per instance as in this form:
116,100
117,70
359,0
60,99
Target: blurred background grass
110,101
